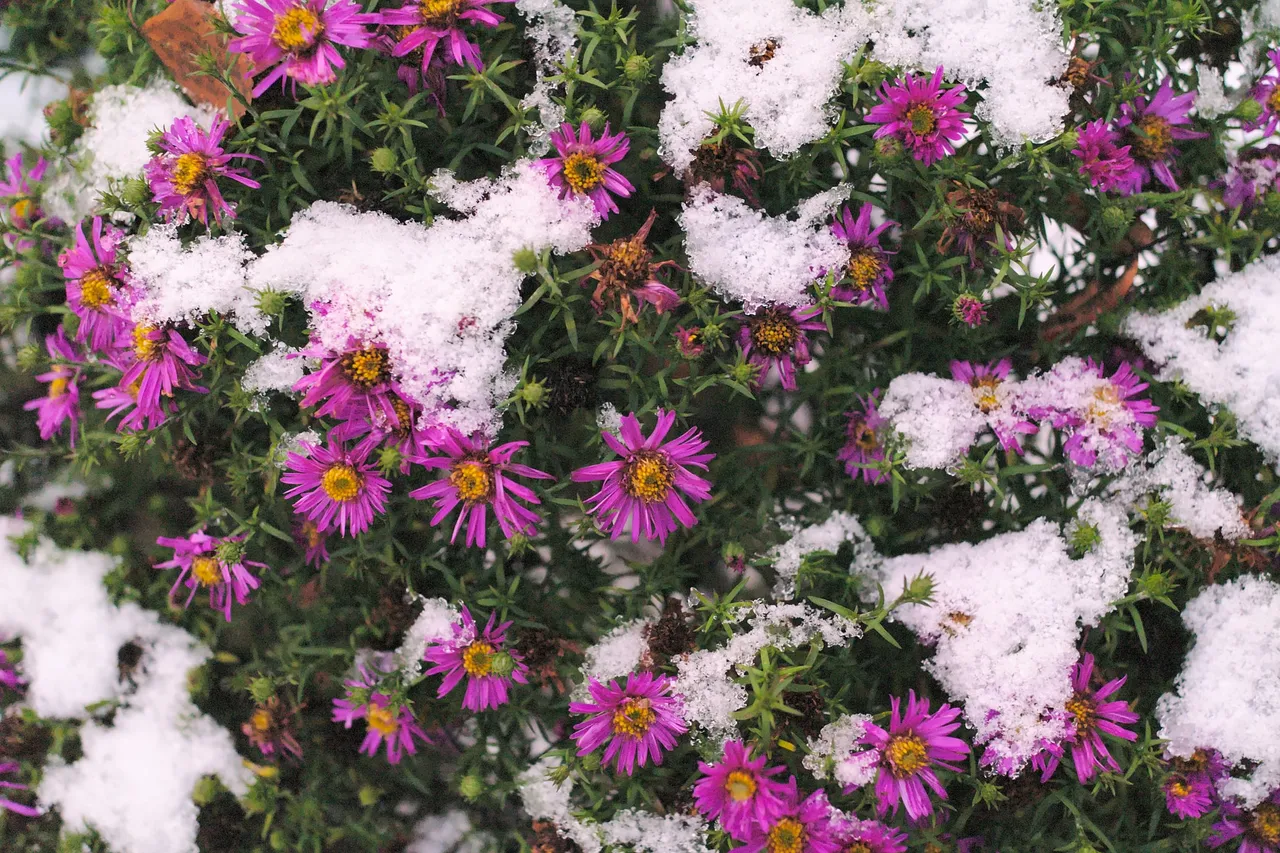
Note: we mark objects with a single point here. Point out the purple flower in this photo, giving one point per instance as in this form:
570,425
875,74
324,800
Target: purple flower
638,721
122,398
1104,162
183,178
313,538
20,193
426,23
925,119
970,310
1152,126
61,404
1090,719
386,720
1187,796
480,656
1250,176
208,562
163,362
479,477
299,38
739,792
1108,424
648,484
1258,828
352,384
270,729
96,290
992,397
1267,94
914,743
10,805
775,337
868,269
8,674
864,442
869,836
689,341
801,826
583,166
334,483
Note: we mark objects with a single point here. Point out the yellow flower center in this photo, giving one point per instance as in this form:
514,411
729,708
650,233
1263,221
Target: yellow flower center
858,847
1103,408
787,836
649,475
740,786
189,173
145,347
1179,787
633,717
477,659
260,720
341,483
206,570
385,721
472,481
627,252
582,172
984,393
1085,712
922,119
96,288
864,268
366,367
1273,101
1264,824
58,387
906,754
311,533
775,333
1154,140
864,437
440,13
296,30
22,209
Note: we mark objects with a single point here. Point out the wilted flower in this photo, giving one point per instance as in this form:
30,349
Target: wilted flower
979,213
970,310
638,722
205,565
481,658
915,742
270,728
723,164
335,483
868,269
183,178
775,337
627,270
96,290
584,166
313,538
1103,161
19,191
1090,719
426,23
864,442
61,404
299,38
689,341
918,113
1254,173
739,792
800,826
1152,127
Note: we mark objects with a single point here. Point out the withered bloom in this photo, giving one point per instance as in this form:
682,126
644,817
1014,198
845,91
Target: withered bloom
977,213
721,164
762,52
270,728
627,270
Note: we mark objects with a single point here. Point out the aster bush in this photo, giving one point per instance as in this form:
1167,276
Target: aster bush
671,426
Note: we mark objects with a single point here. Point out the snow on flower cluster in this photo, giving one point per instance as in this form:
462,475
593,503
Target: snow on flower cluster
134,781
1170,473
177,283
828,536
1005,620
614,655
434,623
1228,693
1227,372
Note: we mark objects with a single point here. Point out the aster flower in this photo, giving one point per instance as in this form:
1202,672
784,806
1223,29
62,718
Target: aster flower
638,721
775,338
970,310
162,364
183,177
689,341
916,112
583,166
868,836
427,23
626,269
1104,424
8,674
61,404
979,214
648,484
864,442
299,38
1103,160
334,483
1267,93
387,721
868,268
96,290
19,190
1187,796
801,826
270,728
208,562
1091,717
481,658
739,792
1152,127
7,767
1254,173
123,399
1258,828
992,397
350,384
915,742
310,536
479,477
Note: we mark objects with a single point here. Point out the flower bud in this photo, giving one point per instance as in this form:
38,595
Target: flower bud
533,393
1069,139
383,160
887,149
526,260
637,67
1116,218
471,787
594,118
136,193
1248,110
502,664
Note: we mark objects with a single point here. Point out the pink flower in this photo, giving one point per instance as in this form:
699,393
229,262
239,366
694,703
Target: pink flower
206,562
299,38
1186,796
352,384
775,338
638,721
868,269
689,341
739,792
1267,94
313,538
868,836
387,721
480,477
10,805
480,657
1107,426
801,826
648,484
426,23
991,396
162,364
270,729
96,289
864,442
333,483
1152,127
915,742
1103,161
970,310
123,398
183,178
1090,719
1258,828
583,166
20,192
925,119
61,404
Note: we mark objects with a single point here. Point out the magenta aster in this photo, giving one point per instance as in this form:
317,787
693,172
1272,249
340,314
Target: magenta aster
916,112
8,674
1110,427
1091,717
1258,828
387,721
638,721
648,484
1103,160
96,290
313,539
19,190
333,483
584,166
1151,128
1253,174
427,23
992,397
1187,796
479,477
914,743
61,404
739,792
352,384
210,563
124,399
801,826
1267,94
183,177
7,767
299,38
970,310
162,364
864,442
869,836
775,338
480,657
868,269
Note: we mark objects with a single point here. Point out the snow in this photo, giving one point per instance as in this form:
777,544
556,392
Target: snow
828,535
553,29
434,623
615,655
277,370
178,282
831,752
1170,473
1227,696
450,832
1211,97
935,415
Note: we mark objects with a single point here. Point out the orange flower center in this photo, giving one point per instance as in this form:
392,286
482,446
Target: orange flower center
96,288
22,209
740,786
261,720
633,717
787,836
145,347
649,476
1085,711
864,268
189,173
1273,100
472,480
1264,824
984,393
906,754
477,659
1179,787
384,721
366,367
583,172
206,570
775,333
1154,140
296,30
922,119
58,387
858,847
341,483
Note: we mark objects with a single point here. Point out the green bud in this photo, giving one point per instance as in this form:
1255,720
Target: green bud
154,138
1157,585
533,393
1069,139
503,664
471,787
61,119
594,118
369,795
206,789
1083,538
1271,201
229,552
272,302
1248,110
888,149
384,160
261,689
1116,218
27,275
744,373
389,459
712,334
637,67
918,590
278,840
136,192
526,260
591,762
732,551
29,358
